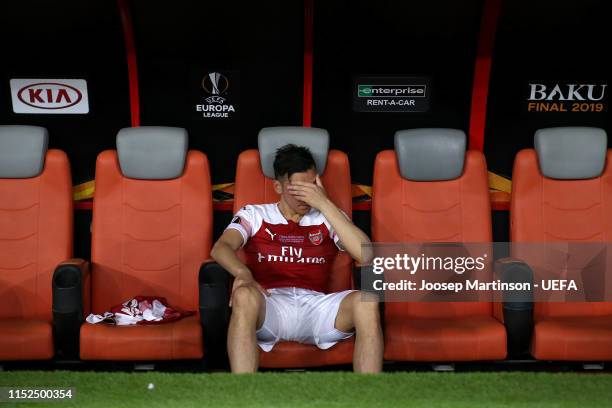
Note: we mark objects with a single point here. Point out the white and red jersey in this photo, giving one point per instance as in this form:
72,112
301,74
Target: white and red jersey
283,253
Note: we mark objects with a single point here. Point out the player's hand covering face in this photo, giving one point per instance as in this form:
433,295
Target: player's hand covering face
308,193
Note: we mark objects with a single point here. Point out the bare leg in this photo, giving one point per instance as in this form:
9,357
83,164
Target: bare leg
248,314
359,310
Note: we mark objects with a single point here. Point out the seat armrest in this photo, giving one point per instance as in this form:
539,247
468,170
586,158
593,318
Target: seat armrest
357,275
517,307
214,292
71,291
363,276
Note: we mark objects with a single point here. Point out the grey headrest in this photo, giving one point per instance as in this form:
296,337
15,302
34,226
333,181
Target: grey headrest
22,151
152,152
571,153
271,138
430,154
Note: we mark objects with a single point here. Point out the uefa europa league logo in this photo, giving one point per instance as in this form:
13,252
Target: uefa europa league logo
215,83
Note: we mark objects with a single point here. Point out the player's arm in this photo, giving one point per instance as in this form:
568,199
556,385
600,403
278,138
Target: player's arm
224,253
351,237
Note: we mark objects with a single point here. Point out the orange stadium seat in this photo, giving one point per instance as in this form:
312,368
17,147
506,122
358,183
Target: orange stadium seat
35,236
431,190
562,192
151,232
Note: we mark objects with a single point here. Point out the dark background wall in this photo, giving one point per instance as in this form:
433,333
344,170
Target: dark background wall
436,39
258,45
549,42
68,39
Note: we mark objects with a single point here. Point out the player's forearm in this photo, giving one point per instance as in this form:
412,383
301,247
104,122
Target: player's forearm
225,256
350,235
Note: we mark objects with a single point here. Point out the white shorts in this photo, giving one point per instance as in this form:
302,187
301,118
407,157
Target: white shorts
302,315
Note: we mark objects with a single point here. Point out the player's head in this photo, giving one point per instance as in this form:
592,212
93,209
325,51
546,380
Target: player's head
293,163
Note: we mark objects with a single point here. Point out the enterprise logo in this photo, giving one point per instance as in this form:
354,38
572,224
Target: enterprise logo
391,91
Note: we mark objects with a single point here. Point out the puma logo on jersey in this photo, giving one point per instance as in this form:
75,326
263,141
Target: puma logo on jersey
271,234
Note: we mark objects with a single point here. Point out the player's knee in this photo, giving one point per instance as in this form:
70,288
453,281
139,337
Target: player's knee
246,298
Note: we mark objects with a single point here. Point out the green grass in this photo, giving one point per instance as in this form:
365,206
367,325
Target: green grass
322,389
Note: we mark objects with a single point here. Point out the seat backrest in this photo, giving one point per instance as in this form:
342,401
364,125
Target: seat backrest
562,192
254,185
152,219
429,189
35,220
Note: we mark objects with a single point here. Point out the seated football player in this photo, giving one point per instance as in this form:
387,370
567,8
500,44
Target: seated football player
279,294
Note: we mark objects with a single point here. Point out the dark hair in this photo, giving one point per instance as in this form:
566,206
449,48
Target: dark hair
291,159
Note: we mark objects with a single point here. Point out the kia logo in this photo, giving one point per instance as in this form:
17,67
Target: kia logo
49,95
